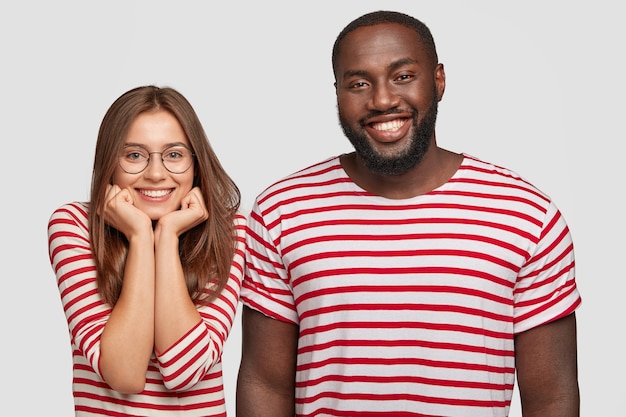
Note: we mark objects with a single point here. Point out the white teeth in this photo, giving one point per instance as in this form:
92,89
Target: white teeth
155,193
391,125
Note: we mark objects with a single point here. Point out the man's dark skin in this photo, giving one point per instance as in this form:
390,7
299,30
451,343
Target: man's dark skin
381,67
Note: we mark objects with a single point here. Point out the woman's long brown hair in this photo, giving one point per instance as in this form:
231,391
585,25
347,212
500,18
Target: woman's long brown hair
207,250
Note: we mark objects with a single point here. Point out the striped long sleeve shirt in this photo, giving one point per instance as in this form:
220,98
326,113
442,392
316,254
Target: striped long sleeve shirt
184,380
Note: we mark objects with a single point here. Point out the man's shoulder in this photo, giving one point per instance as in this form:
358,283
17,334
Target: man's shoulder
482,167
327,168
484,174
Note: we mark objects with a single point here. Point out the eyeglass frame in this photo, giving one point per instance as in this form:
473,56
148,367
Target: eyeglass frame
193,155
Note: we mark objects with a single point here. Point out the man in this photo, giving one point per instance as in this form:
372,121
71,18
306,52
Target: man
402,278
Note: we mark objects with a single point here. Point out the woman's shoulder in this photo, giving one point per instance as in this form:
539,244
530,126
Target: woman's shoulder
70,219
76,210
239,222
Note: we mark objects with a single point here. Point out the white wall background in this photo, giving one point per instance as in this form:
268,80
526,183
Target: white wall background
537,86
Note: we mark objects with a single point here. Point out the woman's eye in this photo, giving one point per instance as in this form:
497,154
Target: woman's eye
173,155
134,155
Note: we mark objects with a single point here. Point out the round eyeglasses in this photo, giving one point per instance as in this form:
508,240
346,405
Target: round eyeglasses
176,159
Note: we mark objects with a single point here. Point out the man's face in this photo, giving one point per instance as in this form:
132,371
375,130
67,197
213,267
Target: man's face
387,93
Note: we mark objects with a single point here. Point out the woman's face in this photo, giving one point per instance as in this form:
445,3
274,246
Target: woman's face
155,143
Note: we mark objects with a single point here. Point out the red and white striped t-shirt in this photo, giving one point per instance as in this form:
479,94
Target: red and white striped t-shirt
408,307
184,380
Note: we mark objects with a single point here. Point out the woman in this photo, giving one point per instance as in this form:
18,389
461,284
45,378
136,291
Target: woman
149,271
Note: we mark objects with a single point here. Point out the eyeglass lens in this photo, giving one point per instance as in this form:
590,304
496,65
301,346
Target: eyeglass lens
135,159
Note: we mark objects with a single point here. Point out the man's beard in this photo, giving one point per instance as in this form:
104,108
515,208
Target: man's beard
397,164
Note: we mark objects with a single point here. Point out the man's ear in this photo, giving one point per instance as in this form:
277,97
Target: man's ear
440,81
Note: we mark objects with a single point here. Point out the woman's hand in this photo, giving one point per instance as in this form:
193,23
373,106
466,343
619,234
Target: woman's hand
120,212
192,212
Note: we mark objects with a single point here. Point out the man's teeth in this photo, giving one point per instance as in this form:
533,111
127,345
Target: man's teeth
391,125
155,193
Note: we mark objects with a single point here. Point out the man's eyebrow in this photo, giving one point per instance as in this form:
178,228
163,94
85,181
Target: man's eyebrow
401,62
355,73
394,65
